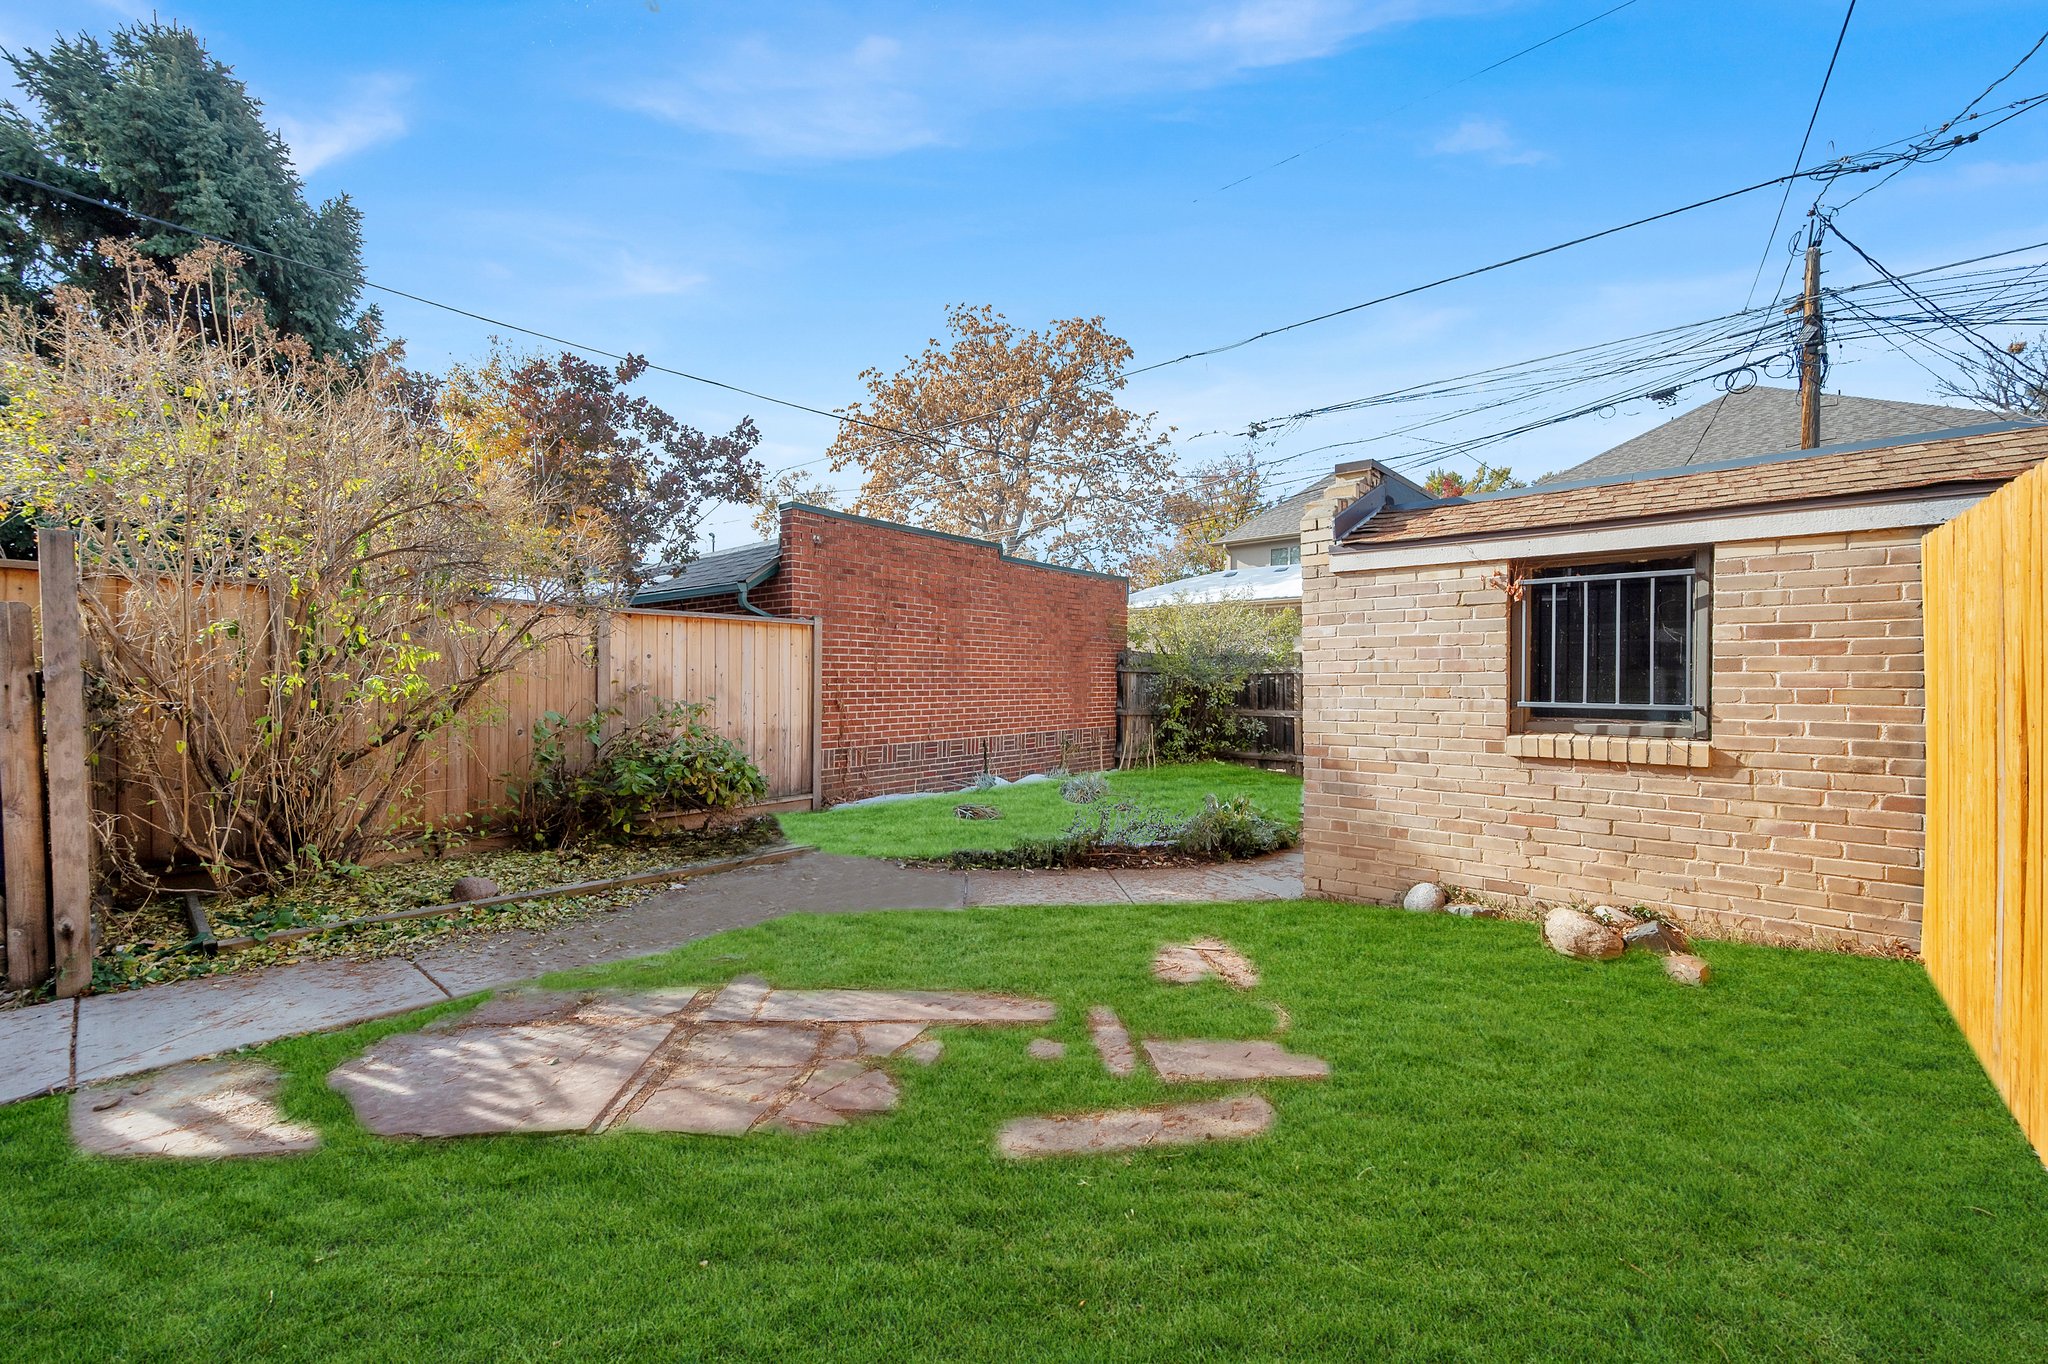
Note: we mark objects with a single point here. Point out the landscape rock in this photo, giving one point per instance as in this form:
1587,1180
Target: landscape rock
473,888
1577,934
977,812
1654,935
1424,898
1614,918
1687,969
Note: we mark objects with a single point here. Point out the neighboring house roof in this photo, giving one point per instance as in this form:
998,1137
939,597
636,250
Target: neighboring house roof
714,575
1281,521
1280,583
1982,455
1761,420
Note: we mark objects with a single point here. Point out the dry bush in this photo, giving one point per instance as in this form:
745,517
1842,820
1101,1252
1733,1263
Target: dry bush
296,579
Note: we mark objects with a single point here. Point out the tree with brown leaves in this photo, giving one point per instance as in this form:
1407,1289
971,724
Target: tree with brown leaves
1210,502
1012,436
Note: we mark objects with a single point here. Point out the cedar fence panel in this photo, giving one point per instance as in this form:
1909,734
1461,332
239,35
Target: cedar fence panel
757,676
1985,934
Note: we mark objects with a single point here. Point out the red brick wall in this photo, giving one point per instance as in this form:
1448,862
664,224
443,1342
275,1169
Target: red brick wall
942,659
1801,816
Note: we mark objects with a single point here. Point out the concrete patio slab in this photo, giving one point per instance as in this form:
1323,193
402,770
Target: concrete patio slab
165,1024
203,1111
1133,1129
1195,1062
35,1050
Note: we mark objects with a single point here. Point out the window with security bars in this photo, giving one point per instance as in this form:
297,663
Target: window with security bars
1612,642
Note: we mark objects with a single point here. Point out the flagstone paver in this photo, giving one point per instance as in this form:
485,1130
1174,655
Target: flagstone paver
1112,1042
1196,1061
1187,963
717,1061
1045,1049
527,1077
1128,1129
203,1110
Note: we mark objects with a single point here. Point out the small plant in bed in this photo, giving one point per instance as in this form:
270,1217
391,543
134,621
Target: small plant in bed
1122,834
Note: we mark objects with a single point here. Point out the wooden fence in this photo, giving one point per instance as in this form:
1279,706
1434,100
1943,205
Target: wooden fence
758,676
1985,933
1273,699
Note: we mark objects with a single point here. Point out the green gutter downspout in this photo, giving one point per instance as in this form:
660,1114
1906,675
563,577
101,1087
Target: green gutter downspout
763,576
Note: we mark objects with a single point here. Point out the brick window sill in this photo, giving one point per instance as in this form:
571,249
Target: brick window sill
1604,748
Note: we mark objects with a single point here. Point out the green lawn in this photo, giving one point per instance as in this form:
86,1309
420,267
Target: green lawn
1517,1157
928,828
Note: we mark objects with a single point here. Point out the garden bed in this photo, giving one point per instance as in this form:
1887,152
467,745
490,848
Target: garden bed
925,829
155,941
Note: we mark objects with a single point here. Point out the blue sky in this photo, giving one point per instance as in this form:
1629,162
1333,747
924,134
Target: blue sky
782,195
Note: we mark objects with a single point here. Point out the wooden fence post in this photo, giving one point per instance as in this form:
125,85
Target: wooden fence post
21,802
64,764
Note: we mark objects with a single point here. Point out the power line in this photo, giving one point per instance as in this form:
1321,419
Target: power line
1799,159
1428,95
1832,169
367,283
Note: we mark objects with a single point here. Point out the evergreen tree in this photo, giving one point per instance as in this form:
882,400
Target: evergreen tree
151,122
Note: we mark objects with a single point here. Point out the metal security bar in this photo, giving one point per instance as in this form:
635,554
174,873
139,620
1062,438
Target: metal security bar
1559,621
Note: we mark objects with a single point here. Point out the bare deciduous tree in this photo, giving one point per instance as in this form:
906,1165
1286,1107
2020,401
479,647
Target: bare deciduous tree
2015,384
297,584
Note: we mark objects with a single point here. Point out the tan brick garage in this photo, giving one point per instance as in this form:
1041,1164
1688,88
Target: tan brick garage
1779,787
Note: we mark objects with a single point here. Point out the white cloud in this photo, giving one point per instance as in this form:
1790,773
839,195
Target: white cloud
1489,139
847,103
869,94
372,113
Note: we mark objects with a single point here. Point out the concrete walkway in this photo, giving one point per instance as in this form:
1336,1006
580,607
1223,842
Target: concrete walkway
56,1046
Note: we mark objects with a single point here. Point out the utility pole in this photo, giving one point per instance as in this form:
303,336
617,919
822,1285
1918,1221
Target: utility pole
1813,355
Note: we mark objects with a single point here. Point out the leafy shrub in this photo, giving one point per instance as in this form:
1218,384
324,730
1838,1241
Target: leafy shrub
666,763
1231,828
1202,654
1085,790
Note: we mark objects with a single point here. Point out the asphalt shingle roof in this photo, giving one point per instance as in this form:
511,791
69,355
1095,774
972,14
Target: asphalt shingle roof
1762,421
1280,521
711,575
1987,455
